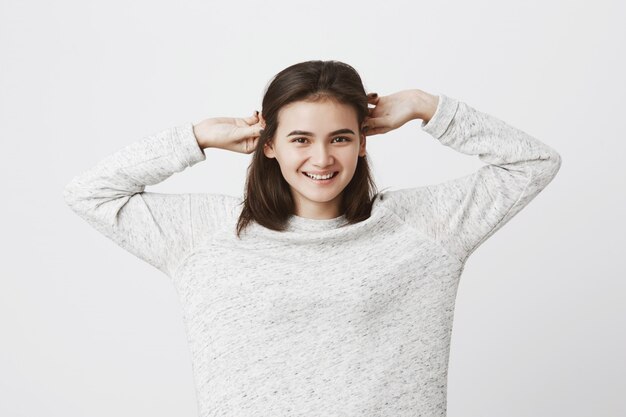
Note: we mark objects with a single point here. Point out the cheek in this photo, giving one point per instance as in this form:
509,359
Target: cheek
292,159
350,157
288,163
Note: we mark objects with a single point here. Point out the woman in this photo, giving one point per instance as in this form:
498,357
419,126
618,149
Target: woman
314,296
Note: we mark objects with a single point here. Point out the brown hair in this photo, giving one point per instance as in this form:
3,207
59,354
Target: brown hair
268,199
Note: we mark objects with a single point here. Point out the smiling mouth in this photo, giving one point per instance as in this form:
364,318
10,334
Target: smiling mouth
315,179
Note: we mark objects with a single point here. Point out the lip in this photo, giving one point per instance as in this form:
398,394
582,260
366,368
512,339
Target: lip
319,172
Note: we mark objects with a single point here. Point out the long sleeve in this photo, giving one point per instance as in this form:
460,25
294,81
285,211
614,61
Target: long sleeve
462,213
158,228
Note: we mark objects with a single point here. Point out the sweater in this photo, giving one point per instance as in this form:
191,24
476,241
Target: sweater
324,318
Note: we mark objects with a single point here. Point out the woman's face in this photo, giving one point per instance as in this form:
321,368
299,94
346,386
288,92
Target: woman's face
317,137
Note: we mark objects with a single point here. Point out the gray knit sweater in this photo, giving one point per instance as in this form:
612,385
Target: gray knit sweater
320,320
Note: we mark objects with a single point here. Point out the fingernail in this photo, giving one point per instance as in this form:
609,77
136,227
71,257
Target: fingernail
256,112
374,95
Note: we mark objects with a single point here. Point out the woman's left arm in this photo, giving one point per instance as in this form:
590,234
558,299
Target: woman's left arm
462,213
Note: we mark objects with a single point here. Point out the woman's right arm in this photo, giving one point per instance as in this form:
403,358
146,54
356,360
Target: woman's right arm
157,228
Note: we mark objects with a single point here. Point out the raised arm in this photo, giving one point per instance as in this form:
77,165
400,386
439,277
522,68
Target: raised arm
158,228
462,213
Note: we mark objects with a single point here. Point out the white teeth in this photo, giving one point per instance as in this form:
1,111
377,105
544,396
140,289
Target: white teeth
319,177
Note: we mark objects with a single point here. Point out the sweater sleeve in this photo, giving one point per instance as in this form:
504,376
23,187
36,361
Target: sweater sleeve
461,213
158,228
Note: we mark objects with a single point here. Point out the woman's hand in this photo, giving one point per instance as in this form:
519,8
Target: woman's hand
229,133
396,109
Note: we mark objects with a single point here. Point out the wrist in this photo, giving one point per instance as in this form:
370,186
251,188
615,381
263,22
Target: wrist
197,131
425,105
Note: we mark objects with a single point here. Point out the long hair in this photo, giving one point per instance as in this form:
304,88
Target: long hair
268,199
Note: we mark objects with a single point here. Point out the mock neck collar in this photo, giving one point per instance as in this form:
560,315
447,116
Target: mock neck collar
297,223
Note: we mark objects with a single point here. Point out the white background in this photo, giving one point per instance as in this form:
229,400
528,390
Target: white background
87,329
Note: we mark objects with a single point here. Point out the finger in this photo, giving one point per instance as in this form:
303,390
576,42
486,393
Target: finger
248,145
376,131
252,119
373,130
374,122
254,144
250,131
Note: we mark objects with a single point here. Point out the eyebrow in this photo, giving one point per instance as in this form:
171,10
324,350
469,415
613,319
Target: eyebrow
305,133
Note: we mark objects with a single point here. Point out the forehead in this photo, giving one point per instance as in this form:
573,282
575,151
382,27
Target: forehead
307,115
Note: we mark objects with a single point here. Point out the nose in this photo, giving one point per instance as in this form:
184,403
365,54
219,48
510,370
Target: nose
321,156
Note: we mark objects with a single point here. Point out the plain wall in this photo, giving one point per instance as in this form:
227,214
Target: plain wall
87,329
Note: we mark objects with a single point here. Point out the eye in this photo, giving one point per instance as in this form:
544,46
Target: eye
346,139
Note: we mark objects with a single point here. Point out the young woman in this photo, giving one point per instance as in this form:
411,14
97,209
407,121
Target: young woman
316,295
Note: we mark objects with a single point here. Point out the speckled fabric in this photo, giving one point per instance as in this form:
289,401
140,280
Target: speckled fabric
324,319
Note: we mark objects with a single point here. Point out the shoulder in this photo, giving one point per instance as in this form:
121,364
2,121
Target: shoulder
398,199
216,198
215,206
